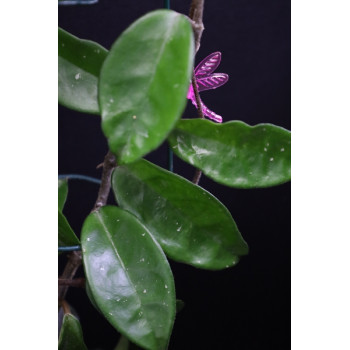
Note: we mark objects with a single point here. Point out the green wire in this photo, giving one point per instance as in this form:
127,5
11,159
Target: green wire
79,177
69,249
167,4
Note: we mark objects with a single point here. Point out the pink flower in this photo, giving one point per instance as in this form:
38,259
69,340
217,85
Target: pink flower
207,80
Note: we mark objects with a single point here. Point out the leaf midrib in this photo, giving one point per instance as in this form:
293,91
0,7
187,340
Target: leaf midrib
115,250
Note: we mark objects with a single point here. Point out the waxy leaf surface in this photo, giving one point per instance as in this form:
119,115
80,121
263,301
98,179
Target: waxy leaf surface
129,277
234,153
71,335
144,82
62,193
66,236
190,224
79,65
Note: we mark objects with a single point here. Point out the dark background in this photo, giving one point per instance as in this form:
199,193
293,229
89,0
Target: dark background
246,307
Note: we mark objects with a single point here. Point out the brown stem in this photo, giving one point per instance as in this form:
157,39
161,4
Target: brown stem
77,282
197,176
196,15
108,166
65,306
75,258
73,263
196,94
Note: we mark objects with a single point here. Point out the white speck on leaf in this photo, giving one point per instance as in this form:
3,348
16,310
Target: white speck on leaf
271,159
282,149
77,76
145,291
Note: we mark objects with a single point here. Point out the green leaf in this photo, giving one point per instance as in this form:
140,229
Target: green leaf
144,82
71,335
62,193
190,224
129,277
66,236
79,65
234,153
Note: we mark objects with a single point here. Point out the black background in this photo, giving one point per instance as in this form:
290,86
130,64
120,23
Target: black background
248,306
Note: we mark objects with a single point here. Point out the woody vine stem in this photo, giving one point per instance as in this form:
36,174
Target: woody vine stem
75,258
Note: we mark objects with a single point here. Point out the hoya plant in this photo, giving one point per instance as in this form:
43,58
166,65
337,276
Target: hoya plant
139,89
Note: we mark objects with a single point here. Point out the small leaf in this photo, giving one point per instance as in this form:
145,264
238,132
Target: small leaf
71,335
129,277
144,82
79,65
66,236
62,193
234,153
190,224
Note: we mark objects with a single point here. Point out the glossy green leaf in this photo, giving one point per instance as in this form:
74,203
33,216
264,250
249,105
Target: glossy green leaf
79,65
62,193
66,236
190,224
129,277
144,82
61,314
234,153
71,335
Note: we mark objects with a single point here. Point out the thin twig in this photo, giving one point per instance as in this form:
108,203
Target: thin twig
197,176
196,94
76,282
196,16
65,307
75,258
73,263
108,166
